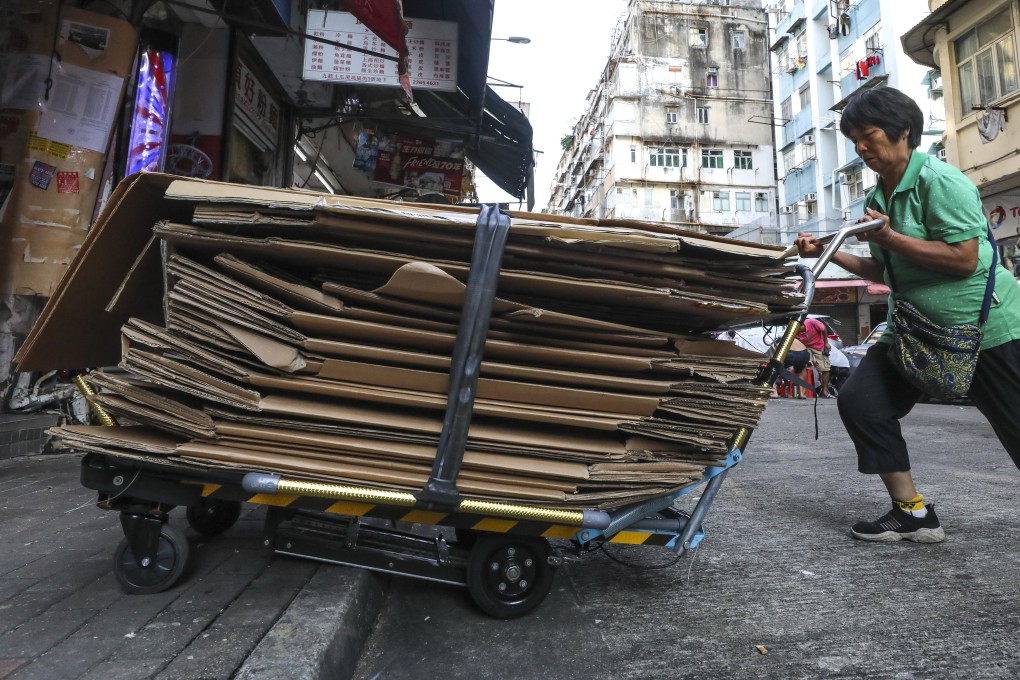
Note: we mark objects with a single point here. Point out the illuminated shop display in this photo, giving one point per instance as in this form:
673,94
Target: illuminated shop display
150,126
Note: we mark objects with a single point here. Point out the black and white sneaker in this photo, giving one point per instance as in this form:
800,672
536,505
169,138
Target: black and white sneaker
897,525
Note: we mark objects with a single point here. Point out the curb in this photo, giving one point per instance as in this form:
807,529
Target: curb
321,634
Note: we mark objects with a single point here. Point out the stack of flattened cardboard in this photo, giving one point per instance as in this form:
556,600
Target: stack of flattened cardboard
312,336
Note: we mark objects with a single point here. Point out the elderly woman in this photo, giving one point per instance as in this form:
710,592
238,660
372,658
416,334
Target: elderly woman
935,241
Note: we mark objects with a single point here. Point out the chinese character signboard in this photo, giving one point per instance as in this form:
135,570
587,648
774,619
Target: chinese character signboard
253,98
432,45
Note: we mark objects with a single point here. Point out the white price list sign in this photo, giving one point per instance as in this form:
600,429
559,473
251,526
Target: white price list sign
432,48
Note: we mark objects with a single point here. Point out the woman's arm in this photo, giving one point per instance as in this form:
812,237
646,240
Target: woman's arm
865,267
956,259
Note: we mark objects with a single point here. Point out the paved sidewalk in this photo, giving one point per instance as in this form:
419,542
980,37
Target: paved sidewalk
238,612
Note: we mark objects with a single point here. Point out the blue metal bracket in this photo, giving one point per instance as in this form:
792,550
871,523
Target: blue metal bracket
625,517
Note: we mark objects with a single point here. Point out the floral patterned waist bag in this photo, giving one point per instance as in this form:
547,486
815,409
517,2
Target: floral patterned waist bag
938,360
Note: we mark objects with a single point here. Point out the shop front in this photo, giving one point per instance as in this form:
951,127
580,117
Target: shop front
856,305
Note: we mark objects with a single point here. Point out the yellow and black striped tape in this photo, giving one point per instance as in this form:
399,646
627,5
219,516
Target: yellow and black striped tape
396,513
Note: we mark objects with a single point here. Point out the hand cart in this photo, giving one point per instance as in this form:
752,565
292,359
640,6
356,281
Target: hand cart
500,551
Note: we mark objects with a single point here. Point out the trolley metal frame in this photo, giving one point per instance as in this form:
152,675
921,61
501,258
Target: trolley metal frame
500,551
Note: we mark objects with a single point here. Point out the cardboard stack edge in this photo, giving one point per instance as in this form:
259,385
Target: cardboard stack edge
282,331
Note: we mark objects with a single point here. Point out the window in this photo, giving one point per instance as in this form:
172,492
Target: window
873,39
721,201
667,157
742,160
786,110
743,201
847,64
761,202
805,98
633,154
855,184
789,160
809,147
801,40
739,40
703,115
783,57
649,196
699,37
712,80
711,158
676,199
671,116
986,62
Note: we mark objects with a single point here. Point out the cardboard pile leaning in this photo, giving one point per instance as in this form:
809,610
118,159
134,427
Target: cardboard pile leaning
311,336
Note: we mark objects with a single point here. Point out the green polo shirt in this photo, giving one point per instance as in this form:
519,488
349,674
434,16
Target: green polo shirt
936,202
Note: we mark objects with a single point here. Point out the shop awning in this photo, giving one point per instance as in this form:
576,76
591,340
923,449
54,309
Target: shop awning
385,18
919,42
499,137
878,289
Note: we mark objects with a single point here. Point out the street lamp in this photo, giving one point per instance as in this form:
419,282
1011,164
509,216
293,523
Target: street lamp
520,40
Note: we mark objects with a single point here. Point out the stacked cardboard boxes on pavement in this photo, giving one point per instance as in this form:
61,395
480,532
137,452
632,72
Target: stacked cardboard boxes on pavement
311,336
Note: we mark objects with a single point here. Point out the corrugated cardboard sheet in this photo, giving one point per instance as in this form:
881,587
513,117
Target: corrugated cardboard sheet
311,336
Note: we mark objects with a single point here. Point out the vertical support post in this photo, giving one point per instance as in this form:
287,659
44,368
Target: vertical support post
491,232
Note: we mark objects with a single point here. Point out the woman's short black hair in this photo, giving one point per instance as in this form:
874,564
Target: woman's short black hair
886,108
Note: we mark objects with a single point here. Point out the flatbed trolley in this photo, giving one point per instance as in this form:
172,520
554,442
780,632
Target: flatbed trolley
500,551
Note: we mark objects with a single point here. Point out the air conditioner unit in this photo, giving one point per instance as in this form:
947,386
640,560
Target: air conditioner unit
808,139
942,154
811,196
787,209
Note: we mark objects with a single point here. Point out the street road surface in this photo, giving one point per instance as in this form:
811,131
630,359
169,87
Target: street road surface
777,589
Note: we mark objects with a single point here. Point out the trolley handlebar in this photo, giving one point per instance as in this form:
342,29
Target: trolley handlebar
834,241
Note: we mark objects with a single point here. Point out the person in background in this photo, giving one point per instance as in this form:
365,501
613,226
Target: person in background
816,339
797,359
935,234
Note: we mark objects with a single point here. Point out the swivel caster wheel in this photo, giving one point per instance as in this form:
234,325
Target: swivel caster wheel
161,572
509,576
211,517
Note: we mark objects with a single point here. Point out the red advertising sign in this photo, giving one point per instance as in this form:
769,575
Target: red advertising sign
430,165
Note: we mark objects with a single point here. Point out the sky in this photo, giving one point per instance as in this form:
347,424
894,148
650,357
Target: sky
570,43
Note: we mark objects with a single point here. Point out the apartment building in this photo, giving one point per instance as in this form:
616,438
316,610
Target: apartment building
823,52
679,126
972,51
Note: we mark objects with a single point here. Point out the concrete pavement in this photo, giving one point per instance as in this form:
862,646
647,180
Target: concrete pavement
239,612
776,569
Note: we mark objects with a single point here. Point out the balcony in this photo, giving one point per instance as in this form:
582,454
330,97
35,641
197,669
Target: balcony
788,22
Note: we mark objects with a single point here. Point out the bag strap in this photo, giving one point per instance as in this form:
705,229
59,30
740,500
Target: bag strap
986,304
990,286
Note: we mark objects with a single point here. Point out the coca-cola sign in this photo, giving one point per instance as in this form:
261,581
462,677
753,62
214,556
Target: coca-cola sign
429,165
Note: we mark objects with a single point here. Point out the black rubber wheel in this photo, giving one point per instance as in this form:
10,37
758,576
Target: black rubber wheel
165,570
509,576
211,517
